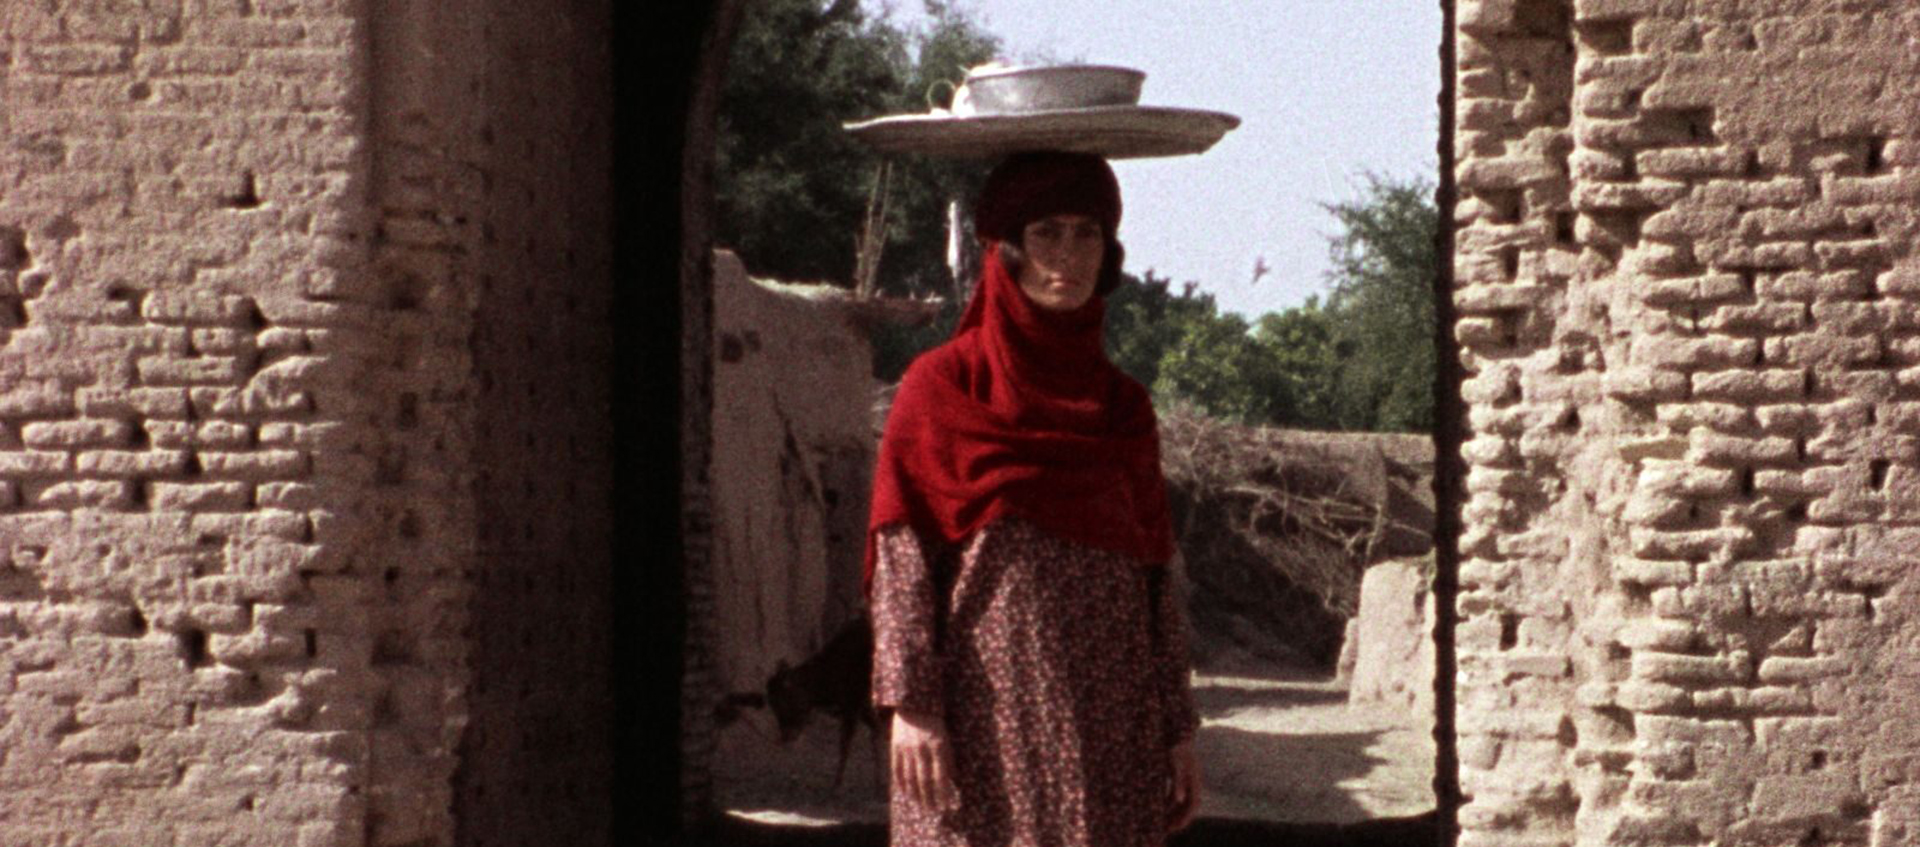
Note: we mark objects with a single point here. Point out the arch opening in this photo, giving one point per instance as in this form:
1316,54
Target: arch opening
701,807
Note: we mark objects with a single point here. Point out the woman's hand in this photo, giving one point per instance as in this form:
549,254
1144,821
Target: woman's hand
1186,786
922,764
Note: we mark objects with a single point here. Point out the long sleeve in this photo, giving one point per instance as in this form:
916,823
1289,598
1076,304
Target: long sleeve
1172,665
905,604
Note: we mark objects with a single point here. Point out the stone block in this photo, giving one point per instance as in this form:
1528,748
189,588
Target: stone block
287,495
1489,15
1795,222
217,401
131,463
74,434
157,403
1688,221
1848,318
200,370
1692,162
1686,669
29,463
1809,286
254,465
1770,255
1643,384
303,435
1691,354
201,497
1859,253
34,398
1394,659
1491,299
1804,796
1770,385
197,308
83,494
208,341
1649,509
1783,191
1599,10
223,435
1644,194
76,59
1715,448
1593,164
1658,634
1730,418
1649,830
1757,318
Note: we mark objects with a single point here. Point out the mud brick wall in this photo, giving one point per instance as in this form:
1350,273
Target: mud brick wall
791,366
298,537
1690,311
488,161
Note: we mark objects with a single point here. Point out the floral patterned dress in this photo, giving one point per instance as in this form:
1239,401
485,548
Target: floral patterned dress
1062,675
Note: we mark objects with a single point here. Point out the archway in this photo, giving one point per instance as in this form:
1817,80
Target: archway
704,72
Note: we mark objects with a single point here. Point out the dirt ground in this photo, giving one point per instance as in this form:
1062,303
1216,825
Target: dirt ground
1274,746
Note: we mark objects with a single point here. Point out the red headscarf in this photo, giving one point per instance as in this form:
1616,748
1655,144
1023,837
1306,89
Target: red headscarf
1021,413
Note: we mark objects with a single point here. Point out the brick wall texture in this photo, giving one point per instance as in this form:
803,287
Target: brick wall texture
1690,312
302,421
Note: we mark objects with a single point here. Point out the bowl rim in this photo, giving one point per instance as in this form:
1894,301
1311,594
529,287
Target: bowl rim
991,72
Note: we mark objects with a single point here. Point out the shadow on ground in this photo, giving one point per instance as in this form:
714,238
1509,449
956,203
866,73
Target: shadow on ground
1265,776
1282,757
1206,832
1222,699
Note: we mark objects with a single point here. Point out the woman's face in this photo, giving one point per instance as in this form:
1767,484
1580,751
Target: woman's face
1063,261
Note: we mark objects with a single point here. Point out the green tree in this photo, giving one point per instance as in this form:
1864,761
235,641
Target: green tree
1215,366
792,187
1382,304
1145,319
1303,361
1362,361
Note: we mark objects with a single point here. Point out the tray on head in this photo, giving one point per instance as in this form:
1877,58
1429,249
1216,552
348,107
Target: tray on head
1115,132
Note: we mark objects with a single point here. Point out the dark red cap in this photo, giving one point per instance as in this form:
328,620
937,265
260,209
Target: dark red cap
1029,186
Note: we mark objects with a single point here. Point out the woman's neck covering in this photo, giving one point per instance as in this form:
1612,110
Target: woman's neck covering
1021,414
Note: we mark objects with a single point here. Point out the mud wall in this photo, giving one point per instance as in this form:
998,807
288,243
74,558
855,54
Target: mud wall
1687,286
794,455
284,446
489,162
1387,657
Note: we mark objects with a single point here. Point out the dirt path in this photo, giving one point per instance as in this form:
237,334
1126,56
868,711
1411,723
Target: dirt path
1293,750
1273,746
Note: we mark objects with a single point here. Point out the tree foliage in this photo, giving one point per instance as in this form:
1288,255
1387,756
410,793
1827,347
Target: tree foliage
791,186
1361,361
1382,279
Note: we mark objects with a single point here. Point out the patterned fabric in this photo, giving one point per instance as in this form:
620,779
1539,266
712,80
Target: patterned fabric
1061,672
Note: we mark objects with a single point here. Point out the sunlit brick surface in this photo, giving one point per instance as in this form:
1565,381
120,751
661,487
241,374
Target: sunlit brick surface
1690,312
302,423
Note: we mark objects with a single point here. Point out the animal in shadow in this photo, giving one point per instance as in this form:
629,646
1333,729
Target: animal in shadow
838,681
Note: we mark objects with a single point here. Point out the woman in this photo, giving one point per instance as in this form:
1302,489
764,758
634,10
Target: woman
1026,637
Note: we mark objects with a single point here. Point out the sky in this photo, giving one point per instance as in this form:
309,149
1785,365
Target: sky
1327,90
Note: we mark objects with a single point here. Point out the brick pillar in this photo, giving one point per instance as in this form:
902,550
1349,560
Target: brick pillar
250,254
1685,276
